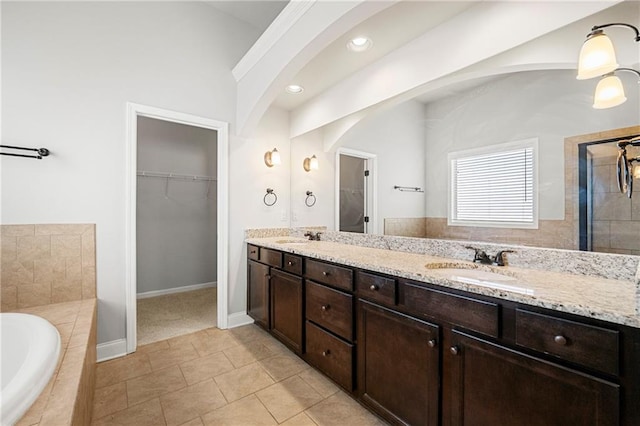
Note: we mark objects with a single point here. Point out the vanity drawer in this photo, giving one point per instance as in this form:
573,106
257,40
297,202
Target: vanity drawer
330,308
472,314
253,252
331,355
376,288
329,274
292,264
584,344
271,257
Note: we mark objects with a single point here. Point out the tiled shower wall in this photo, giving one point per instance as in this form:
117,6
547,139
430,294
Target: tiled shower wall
43,264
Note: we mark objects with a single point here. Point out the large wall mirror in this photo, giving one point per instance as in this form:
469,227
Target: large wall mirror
413,143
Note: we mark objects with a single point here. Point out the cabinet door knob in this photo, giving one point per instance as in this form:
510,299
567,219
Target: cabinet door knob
289,263
432,343
454,350
325,307
253,252
326,353
325,273
268,276
560,339
373,287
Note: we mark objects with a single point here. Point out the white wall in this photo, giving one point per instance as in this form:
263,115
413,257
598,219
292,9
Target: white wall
397,137
176,218
548,105
67,71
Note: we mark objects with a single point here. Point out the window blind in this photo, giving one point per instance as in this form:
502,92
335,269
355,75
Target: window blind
495,187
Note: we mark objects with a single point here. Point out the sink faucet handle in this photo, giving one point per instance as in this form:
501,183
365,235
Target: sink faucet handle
499,259
480,256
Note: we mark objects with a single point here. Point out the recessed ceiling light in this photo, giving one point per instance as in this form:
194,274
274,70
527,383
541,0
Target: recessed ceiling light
359,44
294,89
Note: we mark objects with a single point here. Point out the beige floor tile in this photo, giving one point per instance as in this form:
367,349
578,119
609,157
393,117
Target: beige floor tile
146,414
247,411
109,399
186,339
154,384
288,398
339,410
191,402
216,340
250,332
319,382
247,352
200,369
118,370
243,381
300,420
282,366
152,347
164,358
194,422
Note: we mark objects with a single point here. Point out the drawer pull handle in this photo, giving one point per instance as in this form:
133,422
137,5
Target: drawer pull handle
253,252
454,350
325,307
290,263
326,353
325,273
373,287
432,343
560,339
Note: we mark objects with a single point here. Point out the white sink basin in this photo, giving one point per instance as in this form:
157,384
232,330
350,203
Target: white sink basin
481,275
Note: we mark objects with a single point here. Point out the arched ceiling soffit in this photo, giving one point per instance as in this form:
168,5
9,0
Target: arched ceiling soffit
482,41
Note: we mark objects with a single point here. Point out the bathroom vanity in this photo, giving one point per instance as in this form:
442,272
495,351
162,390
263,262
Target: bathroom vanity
416,340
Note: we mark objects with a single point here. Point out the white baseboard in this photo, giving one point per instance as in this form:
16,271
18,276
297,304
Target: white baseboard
155,293
111,350
238,319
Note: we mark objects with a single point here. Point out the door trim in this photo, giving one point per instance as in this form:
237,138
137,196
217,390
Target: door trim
372,191
133,112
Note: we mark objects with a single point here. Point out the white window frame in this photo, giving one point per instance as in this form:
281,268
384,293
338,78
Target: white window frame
521,144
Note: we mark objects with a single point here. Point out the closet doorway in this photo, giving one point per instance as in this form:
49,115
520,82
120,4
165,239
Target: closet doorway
178,220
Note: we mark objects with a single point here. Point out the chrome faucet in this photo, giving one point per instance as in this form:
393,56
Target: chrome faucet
313,236
481,256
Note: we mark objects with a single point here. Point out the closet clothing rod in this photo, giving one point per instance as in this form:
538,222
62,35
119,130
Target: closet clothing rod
175,176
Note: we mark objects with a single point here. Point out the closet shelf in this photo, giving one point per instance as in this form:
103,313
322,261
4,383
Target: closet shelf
165,175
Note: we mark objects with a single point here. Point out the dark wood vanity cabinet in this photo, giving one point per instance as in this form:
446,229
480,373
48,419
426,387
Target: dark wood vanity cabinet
258,285
422,354
494,385
286,309
398,365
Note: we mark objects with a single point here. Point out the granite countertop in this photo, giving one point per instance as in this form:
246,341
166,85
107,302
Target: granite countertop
605,299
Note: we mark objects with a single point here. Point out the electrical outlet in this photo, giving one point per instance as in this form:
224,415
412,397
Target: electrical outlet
294,216
283,215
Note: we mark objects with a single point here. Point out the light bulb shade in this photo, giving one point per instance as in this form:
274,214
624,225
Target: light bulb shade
310,163
272,158
609,93
597,57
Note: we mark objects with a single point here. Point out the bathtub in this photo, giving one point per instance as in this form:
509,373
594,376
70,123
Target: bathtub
29,351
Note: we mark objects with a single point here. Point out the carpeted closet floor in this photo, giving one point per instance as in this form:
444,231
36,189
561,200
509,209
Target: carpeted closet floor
162,317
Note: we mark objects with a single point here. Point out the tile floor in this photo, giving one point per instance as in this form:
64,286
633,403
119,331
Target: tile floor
241,376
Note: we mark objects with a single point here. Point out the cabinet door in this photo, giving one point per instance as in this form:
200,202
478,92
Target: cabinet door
258,293
286,309
493,385
398,365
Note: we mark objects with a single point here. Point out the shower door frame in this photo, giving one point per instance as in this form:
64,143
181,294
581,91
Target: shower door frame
222,128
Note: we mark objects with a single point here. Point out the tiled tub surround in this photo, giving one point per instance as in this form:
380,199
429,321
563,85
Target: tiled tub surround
581,288
68,398
48,263
49,270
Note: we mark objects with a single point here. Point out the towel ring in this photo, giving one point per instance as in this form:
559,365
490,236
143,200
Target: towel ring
310,201
270,192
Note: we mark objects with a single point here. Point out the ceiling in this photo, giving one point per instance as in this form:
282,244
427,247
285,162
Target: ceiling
257,13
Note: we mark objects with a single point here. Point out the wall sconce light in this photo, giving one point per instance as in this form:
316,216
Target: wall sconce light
598,59
272,158
310,163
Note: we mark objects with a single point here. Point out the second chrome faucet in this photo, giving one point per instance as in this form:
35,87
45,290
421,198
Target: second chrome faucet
481,256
